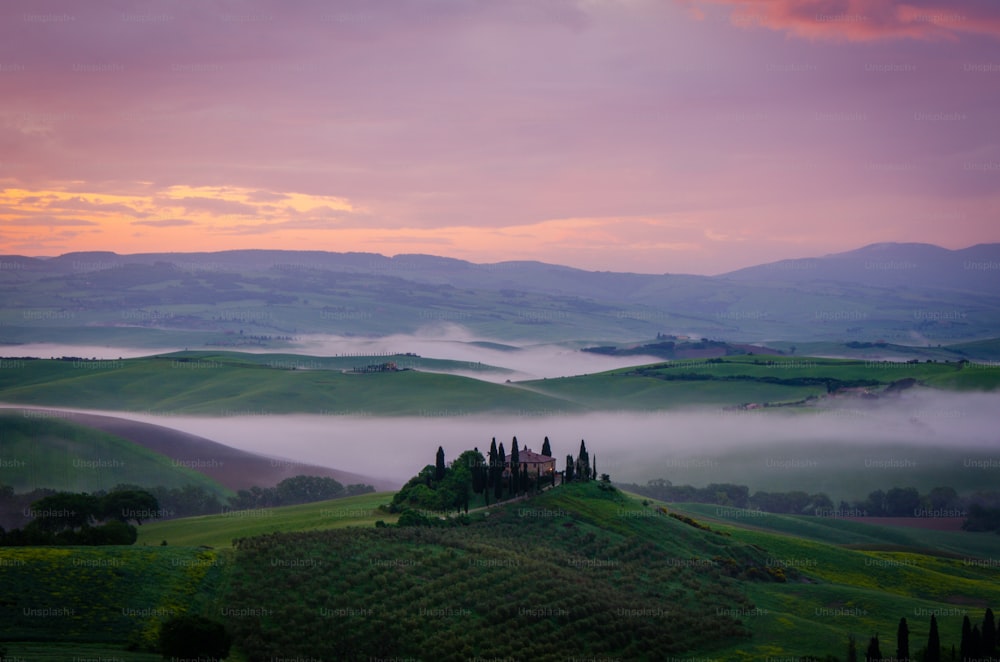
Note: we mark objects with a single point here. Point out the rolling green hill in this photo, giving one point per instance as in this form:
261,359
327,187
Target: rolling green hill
220,530
979,350
736,380
287,361
614,575
852,533
571,568
854,585
39,451
568,554
229,383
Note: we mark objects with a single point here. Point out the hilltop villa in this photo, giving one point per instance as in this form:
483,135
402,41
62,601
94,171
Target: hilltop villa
536,464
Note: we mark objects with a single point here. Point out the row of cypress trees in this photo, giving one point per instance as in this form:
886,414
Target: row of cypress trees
488,477
977,643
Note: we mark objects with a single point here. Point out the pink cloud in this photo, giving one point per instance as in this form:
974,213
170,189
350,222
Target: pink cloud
865,20
503,118
165,223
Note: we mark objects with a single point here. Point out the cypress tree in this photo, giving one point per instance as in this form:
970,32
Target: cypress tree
975,644
546,448
491,470
439,466
873,654
583,462
515,468
903,640
989,634
477,473
852,649
594,470
965,646
933,643
569,468
502,457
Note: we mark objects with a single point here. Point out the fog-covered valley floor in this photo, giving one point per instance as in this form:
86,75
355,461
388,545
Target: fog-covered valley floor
922,437
926,438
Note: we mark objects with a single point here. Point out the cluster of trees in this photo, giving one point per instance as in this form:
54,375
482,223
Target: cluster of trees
832,384
582,469
13,505
723,494
979,642
68,518
444,487
193,500
983,508
982,518
295,490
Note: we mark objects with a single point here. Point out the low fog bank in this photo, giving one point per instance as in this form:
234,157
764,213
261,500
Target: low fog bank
923,436
528,361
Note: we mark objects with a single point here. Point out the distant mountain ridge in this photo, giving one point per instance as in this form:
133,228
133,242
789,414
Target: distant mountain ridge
912,265
903,293
883,264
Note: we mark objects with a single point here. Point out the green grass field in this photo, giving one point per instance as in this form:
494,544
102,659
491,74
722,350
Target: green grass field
220,530
574,564
62,455
101,597
288,361
835,467
230,382
860,591
738,380
598,568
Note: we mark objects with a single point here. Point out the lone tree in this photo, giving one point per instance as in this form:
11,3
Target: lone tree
515,468
569,468
873,654
933,643
439,465
501,461
989,635
478,483
457,484
129,505
546,448
965,647
903,640
65,510
583,462
852,649
491,471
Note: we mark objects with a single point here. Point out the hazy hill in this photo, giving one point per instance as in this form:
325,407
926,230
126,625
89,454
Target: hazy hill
905,293
85,452
908,266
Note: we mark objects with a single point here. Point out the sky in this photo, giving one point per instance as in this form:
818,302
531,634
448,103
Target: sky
653,136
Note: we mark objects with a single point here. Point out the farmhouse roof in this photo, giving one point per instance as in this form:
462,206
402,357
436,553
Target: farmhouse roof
531,457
